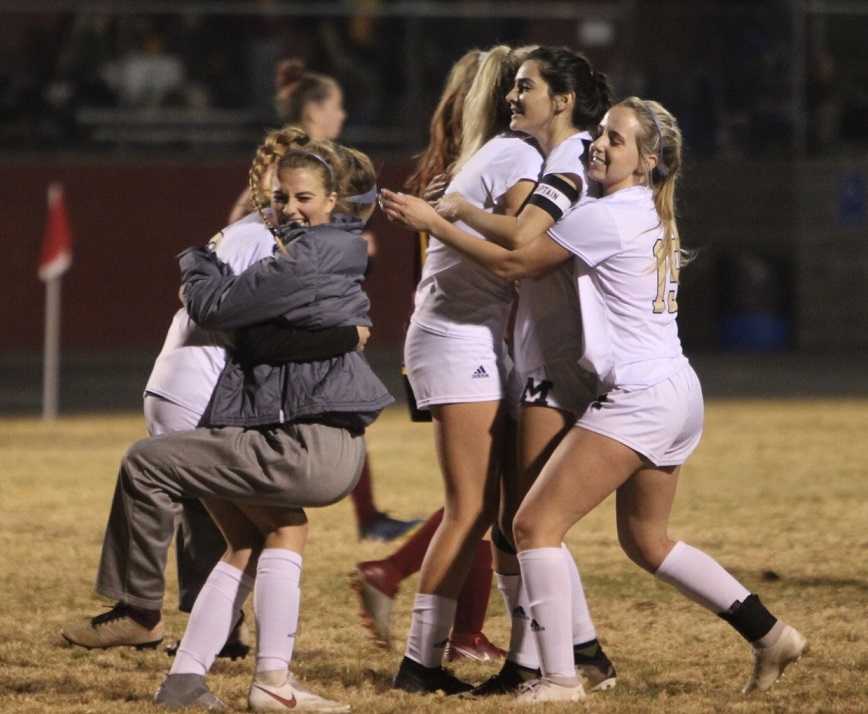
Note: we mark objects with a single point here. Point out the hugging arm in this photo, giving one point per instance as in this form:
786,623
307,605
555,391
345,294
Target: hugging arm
276,343
540,206
218,300
533,260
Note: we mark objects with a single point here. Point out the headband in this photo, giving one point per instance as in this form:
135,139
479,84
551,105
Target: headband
367,197
660,168
319,158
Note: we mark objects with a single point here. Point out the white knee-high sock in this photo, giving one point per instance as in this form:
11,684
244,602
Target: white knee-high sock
522,645
276,601
701,578
583,625
214,614
429,629
547,579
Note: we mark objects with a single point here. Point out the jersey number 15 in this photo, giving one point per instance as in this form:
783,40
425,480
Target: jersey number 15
667,276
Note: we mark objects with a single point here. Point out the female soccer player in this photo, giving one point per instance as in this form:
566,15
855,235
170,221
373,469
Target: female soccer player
633,439
456,363
557,97
377,581
315,103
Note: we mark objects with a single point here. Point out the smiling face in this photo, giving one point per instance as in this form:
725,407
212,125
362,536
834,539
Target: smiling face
531,105
615,162
298,195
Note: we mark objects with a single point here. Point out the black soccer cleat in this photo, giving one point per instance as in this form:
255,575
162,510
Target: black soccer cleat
594,668
507,681
415,678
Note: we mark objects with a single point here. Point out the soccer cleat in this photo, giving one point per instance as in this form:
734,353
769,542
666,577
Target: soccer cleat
476,647
595,670
377,585
288,694
770,662
114,628
539,691
385,528
180,691
507,681
417,679
237,644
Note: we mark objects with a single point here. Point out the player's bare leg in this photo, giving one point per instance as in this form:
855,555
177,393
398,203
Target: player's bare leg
643,506
469,440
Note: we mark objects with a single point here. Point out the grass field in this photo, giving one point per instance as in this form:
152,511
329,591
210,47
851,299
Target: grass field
777,492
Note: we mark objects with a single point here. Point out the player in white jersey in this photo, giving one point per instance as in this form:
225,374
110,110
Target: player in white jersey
557,97
634,439
457,366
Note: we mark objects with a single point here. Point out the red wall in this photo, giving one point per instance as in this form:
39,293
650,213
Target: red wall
128,221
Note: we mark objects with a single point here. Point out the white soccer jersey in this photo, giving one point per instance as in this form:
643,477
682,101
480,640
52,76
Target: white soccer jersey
192,359
628,304
547,322
455,297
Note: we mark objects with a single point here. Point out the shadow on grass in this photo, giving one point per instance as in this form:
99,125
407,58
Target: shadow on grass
773,578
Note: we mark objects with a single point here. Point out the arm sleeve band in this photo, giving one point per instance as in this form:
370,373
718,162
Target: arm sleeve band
275,343
554,195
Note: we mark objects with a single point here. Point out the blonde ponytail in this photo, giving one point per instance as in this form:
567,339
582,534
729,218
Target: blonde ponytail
660,136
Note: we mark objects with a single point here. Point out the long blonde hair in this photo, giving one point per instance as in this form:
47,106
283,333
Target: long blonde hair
660,136
444,143
485,110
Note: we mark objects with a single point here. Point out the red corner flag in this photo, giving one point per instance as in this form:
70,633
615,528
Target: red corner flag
57,242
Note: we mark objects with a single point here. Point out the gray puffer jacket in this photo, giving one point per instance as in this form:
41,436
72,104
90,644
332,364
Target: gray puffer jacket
315,285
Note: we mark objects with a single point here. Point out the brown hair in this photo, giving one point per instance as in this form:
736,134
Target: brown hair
444,143
295,88
357,177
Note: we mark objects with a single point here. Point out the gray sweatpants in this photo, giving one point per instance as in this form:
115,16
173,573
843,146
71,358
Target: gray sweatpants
289,465
199,544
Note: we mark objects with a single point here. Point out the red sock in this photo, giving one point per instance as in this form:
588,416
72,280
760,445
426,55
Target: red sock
363,497
473,599
408,558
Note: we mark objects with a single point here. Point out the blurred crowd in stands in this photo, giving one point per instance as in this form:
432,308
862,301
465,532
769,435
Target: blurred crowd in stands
66,78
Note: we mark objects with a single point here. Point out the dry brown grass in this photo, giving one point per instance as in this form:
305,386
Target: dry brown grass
776,492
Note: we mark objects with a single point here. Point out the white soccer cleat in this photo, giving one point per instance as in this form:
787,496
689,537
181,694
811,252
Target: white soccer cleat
539,691
770,662
289,695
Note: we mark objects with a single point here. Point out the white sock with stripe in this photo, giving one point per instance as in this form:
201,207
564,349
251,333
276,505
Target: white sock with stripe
432,619
215,613
522,644
276,601
701,578
546,577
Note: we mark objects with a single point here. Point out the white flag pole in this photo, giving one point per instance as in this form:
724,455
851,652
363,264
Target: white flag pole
51,355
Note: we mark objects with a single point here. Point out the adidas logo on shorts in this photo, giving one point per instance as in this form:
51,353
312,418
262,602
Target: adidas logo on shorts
480,373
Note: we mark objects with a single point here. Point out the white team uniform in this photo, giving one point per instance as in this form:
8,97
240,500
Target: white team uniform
547,335
191,360
454,348
653,400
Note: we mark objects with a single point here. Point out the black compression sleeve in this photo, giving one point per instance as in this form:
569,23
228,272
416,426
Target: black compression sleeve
276,343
